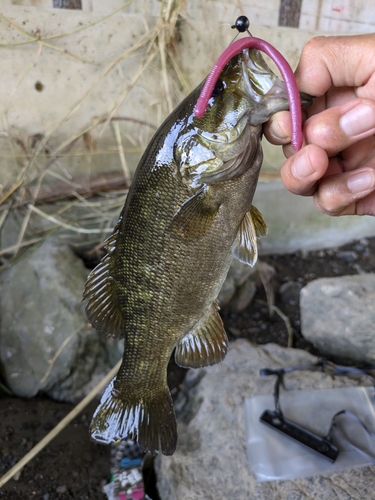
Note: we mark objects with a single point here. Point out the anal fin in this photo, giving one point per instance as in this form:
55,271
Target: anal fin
245,247
206,345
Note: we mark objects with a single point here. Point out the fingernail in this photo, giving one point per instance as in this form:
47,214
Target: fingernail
358,120
362,181
278,131
301,167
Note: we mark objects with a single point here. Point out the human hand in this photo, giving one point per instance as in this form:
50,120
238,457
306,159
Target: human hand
337,163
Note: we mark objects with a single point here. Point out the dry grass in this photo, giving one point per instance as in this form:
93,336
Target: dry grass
44,198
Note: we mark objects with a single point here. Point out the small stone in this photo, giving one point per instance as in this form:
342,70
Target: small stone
61,489
289,292
359,269
17,475
253,330
358,247
348,256
236,332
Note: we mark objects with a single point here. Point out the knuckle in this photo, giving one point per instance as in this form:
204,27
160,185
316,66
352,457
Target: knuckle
320,131
313,46
326,201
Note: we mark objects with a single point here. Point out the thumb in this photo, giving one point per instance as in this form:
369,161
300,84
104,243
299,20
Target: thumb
278,128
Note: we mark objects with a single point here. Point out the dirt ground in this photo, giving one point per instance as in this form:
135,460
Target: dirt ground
72,467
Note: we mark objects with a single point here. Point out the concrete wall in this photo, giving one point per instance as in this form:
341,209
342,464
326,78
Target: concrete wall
318,15
65,74
61,86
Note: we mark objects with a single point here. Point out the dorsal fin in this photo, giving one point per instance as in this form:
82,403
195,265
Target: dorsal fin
102,309
206,345
245,247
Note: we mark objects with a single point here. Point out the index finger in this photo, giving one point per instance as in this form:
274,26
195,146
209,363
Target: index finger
336,61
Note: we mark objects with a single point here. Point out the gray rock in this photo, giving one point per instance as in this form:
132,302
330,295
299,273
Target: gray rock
46,343
210,461
347,255
241,284
338,317
237,276
290,291
244,295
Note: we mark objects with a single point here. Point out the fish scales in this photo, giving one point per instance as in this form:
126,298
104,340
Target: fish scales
158,267
188,210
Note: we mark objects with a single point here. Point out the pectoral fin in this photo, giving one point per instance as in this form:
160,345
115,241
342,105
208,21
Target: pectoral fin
206,345
260,226
245,246
195,216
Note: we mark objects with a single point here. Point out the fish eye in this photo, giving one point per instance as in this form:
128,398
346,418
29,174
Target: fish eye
219,87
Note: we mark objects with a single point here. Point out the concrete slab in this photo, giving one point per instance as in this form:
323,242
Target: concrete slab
295,224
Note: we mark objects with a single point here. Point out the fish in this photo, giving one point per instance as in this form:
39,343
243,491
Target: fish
187,214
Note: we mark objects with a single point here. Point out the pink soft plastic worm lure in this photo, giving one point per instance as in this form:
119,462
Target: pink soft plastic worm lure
284,68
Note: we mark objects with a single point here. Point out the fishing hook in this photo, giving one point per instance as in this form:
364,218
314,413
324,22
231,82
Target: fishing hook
241,25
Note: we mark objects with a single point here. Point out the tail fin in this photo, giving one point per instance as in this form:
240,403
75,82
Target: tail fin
151,423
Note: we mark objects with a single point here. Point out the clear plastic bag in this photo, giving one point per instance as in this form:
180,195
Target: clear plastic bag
274,456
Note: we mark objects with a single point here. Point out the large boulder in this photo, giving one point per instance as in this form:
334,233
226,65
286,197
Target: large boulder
211,462
46,343
338,317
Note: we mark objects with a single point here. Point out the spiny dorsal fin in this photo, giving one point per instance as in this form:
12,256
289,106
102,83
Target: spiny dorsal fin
245,247
206,345
195,216
102,309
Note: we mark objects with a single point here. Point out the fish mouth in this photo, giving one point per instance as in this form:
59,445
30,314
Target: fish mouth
263,86
259,78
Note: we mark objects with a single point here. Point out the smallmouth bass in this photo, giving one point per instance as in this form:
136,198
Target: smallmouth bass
187,213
